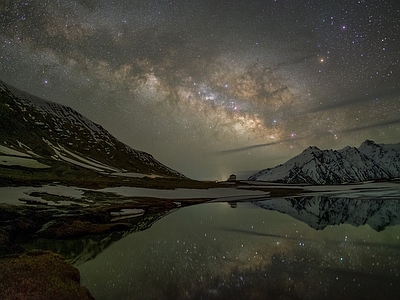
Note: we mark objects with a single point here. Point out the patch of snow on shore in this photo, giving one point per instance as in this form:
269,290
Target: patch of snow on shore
366,189
18,195
182,193
135,175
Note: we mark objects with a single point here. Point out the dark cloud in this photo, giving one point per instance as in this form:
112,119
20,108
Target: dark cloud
335,103
321,134
252,147
91,5
371,126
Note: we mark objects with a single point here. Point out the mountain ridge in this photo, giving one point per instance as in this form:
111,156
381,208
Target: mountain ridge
38,128
370,161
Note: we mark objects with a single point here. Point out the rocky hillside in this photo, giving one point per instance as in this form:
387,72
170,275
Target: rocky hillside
34,133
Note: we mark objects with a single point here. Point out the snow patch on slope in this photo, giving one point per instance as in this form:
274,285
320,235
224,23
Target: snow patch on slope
63,154
22,162
9,151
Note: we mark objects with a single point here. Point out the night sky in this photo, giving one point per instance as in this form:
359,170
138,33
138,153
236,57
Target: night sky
214,87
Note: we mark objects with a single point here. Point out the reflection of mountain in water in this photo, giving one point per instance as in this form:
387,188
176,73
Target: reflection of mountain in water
322,211
78,251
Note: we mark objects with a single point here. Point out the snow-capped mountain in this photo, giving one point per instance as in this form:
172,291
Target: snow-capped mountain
32,130
322,211
388,156
314,166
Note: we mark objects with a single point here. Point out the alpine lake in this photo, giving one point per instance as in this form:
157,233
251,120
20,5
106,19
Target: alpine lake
341,244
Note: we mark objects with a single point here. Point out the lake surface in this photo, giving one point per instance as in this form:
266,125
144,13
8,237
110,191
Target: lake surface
295,248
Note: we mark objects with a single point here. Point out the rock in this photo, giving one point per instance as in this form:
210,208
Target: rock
40,275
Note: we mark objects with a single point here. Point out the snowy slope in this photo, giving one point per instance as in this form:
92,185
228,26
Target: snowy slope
39,128
387,155
314,166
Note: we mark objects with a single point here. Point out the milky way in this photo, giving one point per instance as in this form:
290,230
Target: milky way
213,87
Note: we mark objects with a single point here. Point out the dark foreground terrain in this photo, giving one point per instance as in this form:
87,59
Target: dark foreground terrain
32,232
40,275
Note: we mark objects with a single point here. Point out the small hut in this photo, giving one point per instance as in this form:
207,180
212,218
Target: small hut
232,177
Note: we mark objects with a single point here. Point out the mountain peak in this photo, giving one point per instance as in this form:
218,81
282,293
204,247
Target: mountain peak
312,149
369,143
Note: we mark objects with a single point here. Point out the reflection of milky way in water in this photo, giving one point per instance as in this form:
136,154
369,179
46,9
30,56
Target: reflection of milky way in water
246,252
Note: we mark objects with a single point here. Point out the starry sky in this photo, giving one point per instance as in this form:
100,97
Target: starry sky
213,87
